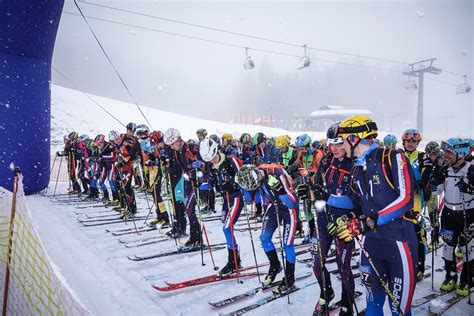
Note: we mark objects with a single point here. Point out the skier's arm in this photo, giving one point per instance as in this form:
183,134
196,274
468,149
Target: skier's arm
403,184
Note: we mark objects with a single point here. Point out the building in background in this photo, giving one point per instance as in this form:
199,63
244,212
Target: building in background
325,116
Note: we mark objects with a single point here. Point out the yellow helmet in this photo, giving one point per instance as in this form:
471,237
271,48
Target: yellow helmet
360,126
227,136
282,141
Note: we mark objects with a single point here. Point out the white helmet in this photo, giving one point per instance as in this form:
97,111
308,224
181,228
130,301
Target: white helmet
208,149
171,136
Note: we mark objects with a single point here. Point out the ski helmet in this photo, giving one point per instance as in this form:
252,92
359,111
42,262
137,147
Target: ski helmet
72,136
303,140
131,127
412,134
171,136
65,137
362,127
201,131
215,138
433,148
458,146
316,144
390,140
249,178
332,135
259,138
99,139
156,137
113,135
142,129
208,149
282,141
89,144
83,138
228,137
245,138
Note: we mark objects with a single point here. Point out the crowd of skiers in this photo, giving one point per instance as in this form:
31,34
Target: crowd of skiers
351,188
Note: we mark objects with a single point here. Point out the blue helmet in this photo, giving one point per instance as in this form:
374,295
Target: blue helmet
458,146
315,144
390,139
303,140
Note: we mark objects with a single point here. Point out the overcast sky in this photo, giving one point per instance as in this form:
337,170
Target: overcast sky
200,78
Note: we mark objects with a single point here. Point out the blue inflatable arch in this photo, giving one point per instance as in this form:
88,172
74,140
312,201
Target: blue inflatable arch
27,35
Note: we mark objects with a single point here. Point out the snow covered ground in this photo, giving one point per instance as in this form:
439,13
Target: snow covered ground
94,262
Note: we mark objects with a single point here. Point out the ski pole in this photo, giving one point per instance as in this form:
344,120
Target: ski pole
233,240
282,251
466,229
52,167
169,187
381,280
57,177
202,227
251,241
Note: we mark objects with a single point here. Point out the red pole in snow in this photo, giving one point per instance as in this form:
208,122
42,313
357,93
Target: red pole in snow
10,242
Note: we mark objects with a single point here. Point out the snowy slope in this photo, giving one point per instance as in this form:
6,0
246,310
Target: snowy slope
95,263
73,111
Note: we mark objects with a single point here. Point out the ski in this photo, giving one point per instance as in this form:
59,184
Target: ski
78,206
176,252
152,241
267,300
128,231
425,299
103,219
443,307
201,281
195,281
116,221
253,292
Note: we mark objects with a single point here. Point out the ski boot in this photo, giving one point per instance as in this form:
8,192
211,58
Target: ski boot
105,199
420,276
129,212
229,268
287,284
275,268
322,305
462,289
449,282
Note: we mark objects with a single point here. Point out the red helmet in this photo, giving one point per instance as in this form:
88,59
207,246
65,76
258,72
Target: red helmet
156,137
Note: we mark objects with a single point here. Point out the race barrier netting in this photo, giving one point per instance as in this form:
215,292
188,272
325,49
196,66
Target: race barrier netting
32,284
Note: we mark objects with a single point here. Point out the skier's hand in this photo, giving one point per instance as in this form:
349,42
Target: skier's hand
426,161
333,226
462,186
274,183
302,190
196,164
347,230
432,187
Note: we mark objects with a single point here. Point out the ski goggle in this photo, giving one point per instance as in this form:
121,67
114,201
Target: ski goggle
452,148
411,135
335,141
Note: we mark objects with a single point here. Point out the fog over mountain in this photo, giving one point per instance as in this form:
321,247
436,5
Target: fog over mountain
199,78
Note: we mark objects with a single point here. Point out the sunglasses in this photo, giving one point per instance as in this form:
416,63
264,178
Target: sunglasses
412,135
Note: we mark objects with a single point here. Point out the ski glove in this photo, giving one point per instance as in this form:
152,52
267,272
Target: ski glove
196,164
347,230
462,186
333,226
274,184
302,190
